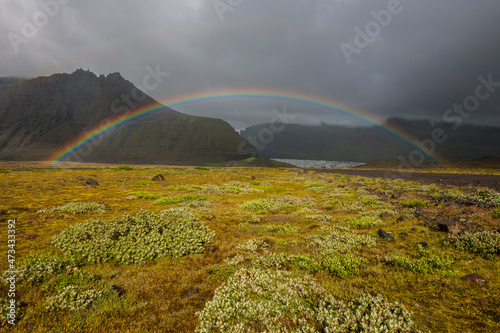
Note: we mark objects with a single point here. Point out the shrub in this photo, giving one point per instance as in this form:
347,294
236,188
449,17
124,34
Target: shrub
323,218
238,258
485,197
134,239
275,203
304,261
496,213
342,265
143,183
178,199
257,300
77,208
414,203
253,245
272,260
148,195
426,261
341,242
364,221
255,183
282,229
5,310
35,269
201,168
73,298
262,204
369,313
485,243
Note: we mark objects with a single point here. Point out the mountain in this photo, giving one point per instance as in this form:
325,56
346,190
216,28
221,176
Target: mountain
9,82
40,116
338,143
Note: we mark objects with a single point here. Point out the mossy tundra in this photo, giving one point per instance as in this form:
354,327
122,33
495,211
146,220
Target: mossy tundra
246,250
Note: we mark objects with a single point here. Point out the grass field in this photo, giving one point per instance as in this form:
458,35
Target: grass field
148,256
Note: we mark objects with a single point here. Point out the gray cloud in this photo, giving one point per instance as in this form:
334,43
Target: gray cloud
426,59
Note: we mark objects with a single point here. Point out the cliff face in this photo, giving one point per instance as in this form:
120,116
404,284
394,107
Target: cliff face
42,115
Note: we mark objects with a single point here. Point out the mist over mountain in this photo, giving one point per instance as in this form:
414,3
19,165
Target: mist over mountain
42,115
340,143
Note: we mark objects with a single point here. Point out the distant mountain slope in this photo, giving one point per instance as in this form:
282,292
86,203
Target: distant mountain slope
9,82
330,142
42,115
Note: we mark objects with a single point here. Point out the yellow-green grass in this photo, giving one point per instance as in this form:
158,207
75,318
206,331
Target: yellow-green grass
152,300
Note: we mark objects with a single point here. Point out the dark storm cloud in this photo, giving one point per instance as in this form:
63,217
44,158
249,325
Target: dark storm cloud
427,58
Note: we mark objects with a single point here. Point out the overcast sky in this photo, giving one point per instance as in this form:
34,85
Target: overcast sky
410,59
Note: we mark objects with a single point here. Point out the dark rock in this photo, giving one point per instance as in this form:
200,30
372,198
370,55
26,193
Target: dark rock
424,245
384,235
403,218
386,215
158,178
403,234
190,293
474,278
212,249
449,227
413,229
90,181
394,196
119,290
253,178
2,212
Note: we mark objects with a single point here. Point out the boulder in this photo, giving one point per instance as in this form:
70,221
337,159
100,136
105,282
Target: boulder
474,278
384,235
403,234
119,290
90,181
158,178
449,227
424,245
403,218
386,215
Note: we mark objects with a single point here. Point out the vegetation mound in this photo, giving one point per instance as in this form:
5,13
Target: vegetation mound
134,239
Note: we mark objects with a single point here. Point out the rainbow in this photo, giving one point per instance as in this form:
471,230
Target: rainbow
225,94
